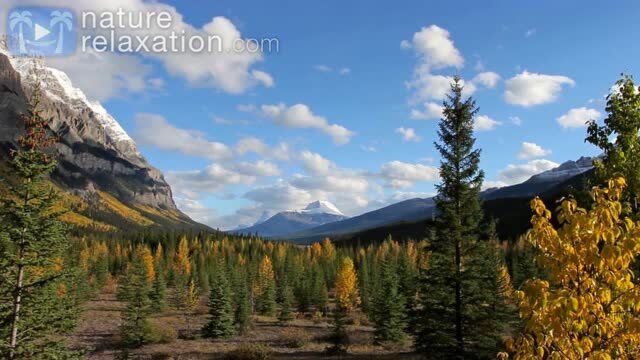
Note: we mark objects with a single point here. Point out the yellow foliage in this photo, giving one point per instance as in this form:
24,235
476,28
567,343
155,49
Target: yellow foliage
144,254
346,286
590,307
122,209
328,250
265,276
182,263
316,250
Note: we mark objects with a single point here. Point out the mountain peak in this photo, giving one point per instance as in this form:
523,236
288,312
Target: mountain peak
322,206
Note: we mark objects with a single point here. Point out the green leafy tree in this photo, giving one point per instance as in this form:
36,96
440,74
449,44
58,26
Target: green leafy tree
34,269
221,316
619,139
453,321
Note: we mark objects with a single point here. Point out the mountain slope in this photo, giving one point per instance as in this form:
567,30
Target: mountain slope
415,210
111,183
314,214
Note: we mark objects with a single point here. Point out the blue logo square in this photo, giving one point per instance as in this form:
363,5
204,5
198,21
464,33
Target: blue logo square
41,31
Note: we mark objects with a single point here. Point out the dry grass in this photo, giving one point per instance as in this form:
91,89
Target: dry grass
299,339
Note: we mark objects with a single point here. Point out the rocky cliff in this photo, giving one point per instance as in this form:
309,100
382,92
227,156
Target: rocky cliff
97,159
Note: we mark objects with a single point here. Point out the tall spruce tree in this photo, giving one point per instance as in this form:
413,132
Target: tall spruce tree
242,313
34,267
221,316
453,321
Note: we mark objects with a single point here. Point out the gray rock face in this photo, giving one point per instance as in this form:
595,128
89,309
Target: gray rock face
94,151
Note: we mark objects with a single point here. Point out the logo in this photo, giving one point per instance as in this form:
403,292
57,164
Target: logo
41,31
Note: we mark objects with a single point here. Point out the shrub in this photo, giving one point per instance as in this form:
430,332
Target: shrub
163,334
251,352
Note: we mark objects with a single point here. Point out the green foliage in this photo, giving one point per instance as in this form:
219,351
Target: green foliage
221,316
158,293
619,139
136,330
453,319
389,312
286,311
37,303
242,314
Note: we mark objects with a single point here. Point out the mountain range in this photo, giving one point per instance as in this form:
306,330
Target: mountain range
106,182
420,209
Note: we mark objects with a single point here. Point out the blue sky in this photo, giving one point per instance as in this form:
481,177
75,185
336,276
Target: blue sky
329,116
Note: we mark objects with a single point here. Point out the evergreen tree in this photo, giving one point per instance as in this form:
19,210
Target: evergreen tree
158,293
266,288
221,316
136,329
452,321
389,312
242,314
286,311
33,250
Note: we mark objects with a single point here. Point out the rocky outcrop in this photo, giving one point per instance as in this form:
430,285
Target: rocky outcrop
95,153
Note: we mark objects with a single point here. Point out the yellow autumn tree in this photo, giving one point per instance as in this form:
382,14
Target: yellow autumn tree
590,307
182,263
146,257
346,286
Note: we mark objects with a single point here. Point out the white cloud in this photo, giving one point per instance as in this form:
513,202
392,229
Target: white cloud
517,173
106,75
434,45
209,180
408,134
578,117
530,32
258,168
264,78
485,123
229,71
529,150
300,116
398,174
316,163
431,111
487,79
345,71
528,89
256,146
153,129
515,120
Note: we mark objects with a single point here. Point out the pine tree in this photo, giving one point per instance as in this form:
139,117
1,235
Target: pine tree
191,299
452,321
158,293
242,313
136,329
221,316
286,311
389,312
33,250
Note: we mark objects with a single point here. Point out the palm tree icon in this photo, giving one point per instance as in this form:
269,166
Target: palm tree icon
19,19
62,19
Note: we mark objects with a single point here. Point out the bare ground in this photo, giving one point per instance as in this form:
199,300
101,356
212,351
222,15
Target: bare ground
97,333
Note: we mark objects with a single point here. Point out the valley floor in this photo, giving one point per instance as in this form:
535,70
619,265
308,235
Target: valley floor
97,333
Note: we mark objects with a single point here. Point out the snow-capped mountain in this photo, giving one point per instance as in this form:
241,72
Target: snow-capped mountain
97,158
315,214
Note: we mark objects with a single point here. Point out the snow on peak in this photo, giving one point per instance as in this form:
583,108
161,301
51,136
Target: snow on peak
321,207
58,86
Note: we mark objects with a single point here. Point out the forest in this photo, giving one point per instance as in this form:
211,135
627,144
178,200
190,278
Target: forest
565,289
